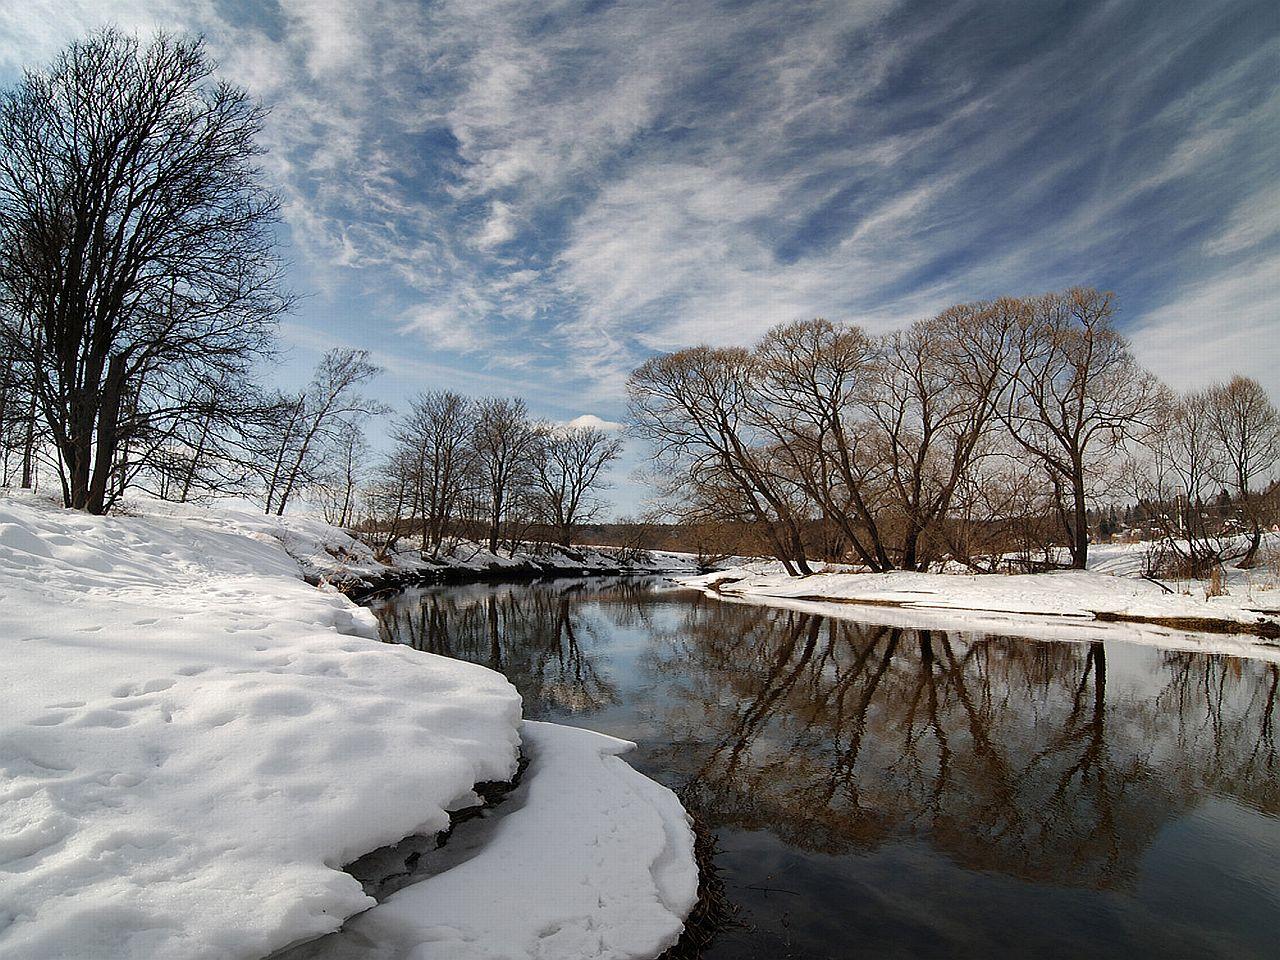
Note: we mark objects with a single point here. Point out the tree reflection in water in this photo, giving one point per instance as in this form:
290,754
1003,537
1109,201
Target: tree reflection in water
1047,763
528,633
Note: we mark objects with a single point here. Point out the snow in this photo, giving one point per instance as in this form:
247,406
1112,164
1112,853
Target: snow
559,878
1063,604
193,741
328,554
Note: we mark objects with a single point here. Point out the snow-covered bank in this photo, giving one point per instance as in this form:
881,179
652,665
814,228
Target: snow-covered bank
359,576
193,740
558,878
1078,605
332,556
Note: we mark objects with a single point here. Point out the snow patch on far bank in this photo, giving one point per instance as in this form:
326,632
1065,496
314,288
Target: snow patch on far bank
1065,604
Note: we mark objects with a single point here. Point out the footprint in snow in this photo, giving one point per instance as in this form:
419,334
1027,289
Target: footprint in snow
136,690
104,718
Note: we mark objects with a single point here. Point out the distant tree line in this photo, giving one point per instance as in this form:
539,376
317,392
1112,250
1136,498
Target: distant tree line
991,429
485,470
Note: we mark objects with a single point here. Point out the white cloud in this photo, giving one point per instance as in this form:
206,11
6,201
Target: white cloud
333,34
33,31
1211,330
1255,220
591,420
679,217
498,228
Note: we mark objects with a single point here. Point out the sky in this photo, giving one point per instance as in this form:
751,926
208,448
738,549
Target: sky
531,198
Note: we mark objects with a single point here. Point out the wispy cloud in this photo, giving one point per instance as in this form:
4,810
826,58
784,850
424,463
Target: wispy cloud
1211,329
536,196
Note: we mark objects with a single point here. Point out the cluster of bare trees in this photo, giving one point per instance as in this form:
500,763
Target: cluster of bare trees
484,469
320,440
139,293
1218,444
140,288
138,277
987,429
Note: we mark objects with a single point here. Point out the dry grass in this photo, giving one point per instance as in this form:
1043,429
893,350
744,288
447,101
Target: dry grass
1269,566
713,911
1216,585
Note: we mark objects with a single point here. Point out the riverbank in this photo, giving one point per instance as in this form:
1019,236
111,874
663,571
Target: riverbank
329,556
1109,599
195,740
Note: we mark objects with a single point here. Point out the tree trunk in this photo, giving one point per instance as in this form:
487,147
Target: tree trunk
78,455
1250,557
29,446
273,484
107,434
196,457
910,545
801,561
1080,521
77,460
495,522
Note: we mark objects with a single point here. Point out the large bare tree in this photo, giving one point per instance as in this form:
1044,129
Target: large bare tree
812,381
136,243
941,383
695,407
1185,457
435,440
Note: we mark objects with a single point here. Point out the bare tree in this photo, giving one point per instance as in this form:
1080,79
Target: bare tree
880,434
810,389
136,243
504,441
206,447
390,499
1186,458
315,420
941,383
1078,396
1246,427
17,427
338,486
436,437
568,463
694,406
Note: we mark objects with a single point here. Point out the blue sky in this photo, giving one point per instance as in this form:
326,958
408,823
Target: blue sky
532,197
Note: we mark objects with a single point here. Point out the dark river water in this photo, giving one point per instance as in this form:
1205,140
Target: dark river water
880,792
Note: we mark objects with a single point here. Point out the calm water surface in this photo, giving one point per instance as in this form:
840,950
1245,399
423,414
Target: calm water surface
880,792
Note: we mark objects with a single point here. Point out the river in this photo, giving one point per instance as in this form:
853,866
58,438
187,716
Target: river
881,792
